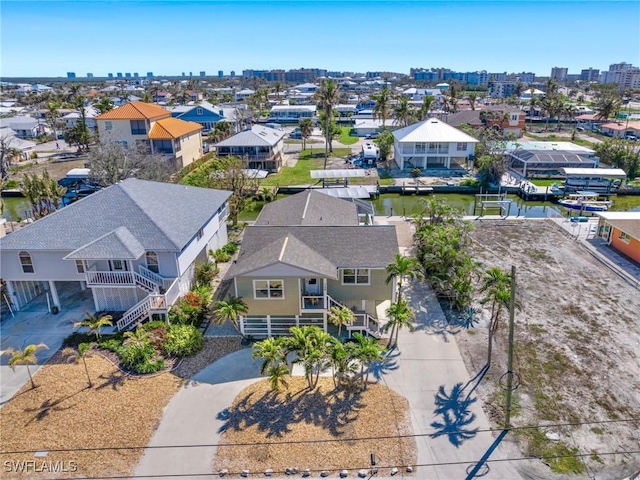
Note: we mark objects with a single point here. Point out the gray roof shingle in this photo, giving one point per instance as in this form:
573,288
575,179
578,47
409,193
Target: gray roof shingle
257,136
309,208
333,247
119,244
161,216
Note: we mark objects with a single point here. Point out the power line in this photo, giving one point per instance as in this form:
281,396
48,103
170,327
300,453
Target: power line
328,440
368,467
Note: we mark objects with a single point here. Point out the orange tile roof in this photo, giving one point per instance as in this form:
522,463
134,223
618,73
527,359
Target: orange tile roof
172,128
135,111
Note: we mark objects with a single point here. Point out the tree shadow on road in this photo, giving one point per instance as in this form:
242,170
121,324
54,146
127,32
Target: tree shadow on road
456,418
389,364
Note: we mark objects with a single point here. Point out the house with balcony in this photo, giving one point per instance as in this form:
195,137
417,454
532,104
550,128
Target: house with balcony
432,144
260,147
134,245
206,114
151,126
305,254
291,113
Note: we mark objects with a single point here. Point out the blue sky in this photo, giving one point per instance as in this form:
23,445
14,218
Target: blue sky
49,38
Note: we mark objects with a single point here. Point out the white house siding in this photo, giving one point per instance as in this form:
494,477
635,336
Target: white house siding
23,292
406,152
121,131
195,247
47,265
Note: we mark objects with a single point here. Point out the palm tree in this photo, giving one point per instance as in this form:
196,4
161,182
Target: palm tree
94,323
138,337
274,364
339,316
400,316
533,103
230,310
52,108
276,88
105,104
311,346
607,103
518,90
83,351
367,351
327,96
341,356
403,112
472,97
401,268
306,129
425,108
383,104
26,357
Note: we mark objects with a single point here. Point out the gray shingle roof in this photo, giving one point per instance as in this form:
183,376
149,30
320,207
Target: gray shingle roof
319,249
257,136
161,216
119,244
309,208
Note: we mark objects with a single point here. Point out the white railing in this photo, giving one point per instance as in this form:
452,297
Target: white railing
110,278
153,276
134,314
312,302
173,292
145,283
361,320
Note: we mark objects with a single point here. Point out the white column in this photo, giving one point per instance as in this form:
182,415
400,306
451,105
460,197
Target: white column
241,321
268,325
13,297
95,300
297,320
54,294
83,285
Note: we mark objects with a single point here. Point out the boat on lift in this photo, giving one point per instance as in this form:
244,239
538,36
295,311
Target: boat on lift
585,202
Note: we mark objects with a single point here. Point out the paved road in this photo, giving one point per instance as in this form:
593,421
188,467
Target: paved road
428,360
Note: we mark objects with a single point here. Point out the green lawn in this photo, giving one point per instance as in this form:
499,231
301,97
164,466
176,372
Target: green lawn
546,182
345,138
299,174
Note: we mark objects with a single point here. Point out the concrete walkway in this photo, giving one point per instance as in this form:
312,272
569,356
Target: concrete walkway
428,361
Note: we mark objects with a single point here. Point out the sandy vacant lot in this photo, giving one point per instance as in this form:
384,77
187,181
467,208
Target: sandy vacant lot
577,351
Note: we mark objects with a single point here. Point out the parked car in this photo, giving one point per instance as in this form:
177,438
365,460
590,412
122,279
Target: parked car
296,135
580,129
631,137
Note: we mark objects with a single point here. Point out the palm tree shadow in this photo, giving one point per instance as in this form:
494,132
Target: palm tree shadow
389,364
114,380
49,406
456,419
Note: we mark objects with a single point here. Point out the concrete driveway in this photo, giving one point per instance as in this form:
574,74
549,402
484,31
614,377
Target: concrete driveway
34,325
427,365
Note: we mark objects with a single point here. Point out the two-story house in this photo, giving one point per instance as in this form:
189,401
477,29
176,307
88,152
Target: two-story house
305,254
291,113
134,244
432,144
260,147
139,123
206,114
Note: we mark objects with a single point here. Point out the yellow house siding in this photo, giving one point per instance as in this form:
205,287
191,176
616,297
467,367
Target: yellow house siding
374,293
190,148
290,305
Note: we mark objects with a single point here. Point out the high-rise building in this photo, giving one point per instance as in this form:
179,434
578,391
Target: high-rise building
590,75
135,75
119,75
203,73
232,74
559,74
89,75
109,75
127,75
303,75
191,74
71,74
621,73
149,74
183,74
220,74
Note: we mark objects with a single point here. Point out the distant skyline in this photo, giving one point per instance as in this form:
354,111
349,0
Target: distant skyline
50,38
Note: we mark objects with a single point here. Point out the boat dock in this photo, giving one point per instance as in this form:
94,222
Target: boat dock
530,191
419,188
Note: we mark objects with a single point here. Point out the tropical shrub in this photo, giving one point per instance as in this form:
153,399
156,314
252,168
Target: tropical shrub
220,256
230,248
205,273
134,355
182,340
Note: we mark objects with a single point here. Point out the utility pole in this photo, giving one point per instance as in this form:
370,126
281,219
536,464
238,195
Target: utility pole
512,307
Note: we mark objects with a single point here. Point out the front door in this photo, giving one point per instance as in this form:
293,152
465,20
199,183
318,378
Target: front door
312,286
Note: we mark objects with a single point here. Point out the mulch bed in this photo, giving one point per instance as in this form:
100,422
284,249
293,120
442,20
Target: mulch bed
62,412
259,416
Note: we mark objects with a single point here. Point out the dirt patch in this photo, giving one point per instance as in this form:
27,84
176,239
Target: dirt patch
577,348
297,415
57,168
62,413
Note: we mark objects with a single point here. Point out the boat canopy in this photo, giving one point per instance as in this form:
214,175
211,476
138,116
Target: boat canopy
594,172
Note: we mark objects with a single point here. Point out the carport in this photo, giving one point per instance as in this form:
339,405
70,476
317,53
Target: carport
70,295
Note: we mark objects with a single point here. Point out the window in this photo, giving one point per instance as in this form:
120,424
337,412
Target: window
420,147
26,262
266,289
462,147
118,265
108,125
198,111
625,237
200,233
514,117
138,127
163,146
177,146
152,262
79,266
355,276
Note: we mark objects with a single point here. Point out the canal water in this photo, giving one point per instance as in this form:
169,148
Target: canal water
396,204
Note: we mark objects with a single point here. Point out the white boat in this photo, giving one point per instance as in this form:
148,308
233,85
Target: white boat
585,202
